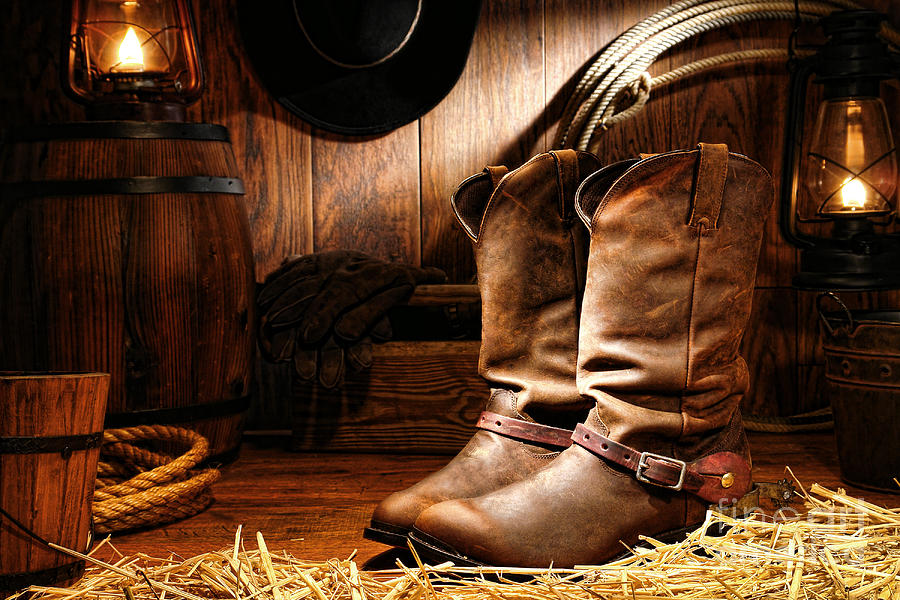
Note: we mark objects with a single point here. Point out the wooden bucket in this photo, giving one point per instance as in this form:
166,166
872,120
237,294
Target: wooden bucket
862,382
51,429
125,248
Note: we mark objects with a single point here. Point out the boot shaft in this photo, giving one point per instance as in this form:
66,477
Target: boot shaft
530,253
675,241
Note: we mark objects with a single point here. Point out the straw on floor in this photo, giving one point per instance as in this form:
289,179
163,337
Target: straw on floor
840,547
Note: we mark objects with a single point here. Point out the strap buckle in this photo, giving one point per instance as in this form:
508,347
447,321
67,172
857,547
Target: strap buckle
643,465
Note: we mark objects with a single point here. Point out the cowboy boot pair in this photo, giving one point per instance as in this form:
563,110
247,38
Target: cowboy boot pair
530,252
674,243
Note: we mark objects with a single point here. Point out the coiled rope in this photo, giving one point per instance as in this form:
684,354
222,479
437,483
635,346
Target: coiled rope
137,487
617,85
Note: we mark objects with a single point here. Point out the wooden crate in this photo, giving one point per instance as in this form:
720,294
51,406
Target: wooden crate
420,396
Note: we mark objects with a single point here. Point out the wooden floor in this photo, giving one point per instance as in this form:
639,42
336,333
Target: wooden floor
316,505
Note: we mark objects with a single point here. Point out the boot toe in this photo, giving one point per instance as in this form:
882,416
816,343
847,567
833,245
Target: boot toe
399,510
457,530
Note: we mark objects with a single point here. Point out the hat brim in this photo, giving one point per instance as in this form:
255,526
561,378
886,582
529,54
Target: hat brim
362,101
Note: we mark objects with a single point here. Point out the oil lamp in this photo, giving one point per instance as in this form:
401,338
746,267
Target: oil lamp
850,169
132,59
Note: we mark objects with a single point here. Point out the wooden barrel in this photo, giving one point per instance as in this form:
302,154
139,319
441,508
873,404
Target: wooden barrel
51,429
125,248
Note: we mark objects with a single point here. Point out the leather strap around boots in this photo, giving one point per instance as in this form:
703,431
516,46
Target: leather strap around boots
721,478
525,430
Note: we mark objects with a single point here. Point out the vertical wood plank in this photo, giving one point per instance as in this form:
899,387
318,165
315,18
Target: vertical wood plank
769,341
272,146
492,116
30,46
734,104
366,194
577,31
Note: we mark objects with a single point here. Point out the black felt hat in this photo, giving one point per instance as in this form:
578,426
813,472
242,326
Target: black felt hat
359,67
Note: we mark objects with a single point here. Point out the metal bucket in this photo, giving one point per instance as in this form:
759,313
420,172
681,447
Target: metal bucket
862,383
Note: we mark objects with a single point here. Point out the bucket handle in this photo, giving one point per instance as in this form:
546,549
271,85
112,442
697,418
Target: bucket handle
42,541
820,299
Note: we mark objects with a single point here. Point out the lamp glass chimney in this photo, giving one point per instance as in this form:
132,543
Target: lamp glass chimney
851,168
133,51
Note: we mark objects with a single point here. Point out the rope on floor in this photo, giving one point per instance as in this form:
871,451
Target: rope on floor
138,487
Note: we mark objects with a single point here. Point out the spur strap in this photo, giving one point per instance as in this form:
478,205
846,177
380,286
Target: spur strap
722,477
525,430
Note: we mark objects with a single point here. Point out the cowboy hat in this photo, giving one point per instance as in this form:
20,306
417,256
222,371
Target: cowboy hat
358,67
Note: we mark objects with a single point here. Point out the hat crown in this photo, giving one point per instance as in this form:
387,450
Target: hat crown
357,33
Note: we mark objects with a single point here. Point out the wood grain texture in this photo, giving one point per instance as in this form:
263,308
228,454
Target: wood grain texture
576,32
271,145
809,350
315,505
771,335
367,194
47,492
388,195
419,397
810,388
492,117
30,54
156,289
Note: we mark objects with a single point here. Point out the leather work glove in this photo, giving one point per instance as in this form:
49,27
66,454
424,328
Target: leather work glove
323,311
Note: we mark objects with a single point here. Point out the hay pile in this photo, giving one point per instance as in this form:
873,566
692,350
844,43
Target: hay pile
842,547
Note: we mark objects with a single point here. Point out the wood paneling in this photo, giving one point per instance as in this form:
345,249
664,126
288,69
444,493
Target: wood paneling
387,195
272,146
366,194
493,116
591,27
771,335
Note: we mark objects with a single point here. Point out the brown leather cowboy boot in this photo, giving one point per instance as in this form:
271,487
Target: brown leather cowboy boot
674,245
530,252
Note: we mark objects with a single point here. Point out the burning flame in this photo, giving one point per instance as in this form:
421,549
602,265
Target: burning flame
130,56
853,194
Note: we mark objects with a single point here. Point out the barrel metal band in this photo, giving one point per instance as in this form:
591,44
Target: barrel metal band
147,130
123,185
66,444
179,414
44,577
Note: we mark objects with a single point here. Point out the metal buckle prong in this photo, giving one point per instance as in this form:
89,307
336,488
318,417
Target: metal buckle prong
643,465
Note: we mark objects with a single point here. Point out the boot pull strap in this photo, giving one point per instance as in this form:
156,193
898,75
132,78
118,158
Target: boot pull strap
709,186
496,174
567,179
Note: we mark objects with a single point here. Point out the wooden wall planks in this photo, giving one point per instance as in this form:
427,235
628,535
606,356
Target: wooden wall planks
492,116
273,146
367,194
387,195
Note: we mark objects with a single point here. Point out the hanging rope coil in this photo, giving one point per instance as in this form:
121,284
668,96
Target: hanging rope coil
137,487
616,86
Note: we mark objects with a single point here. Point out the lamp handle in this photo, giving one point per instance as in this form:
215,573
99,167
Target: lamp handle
790,164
